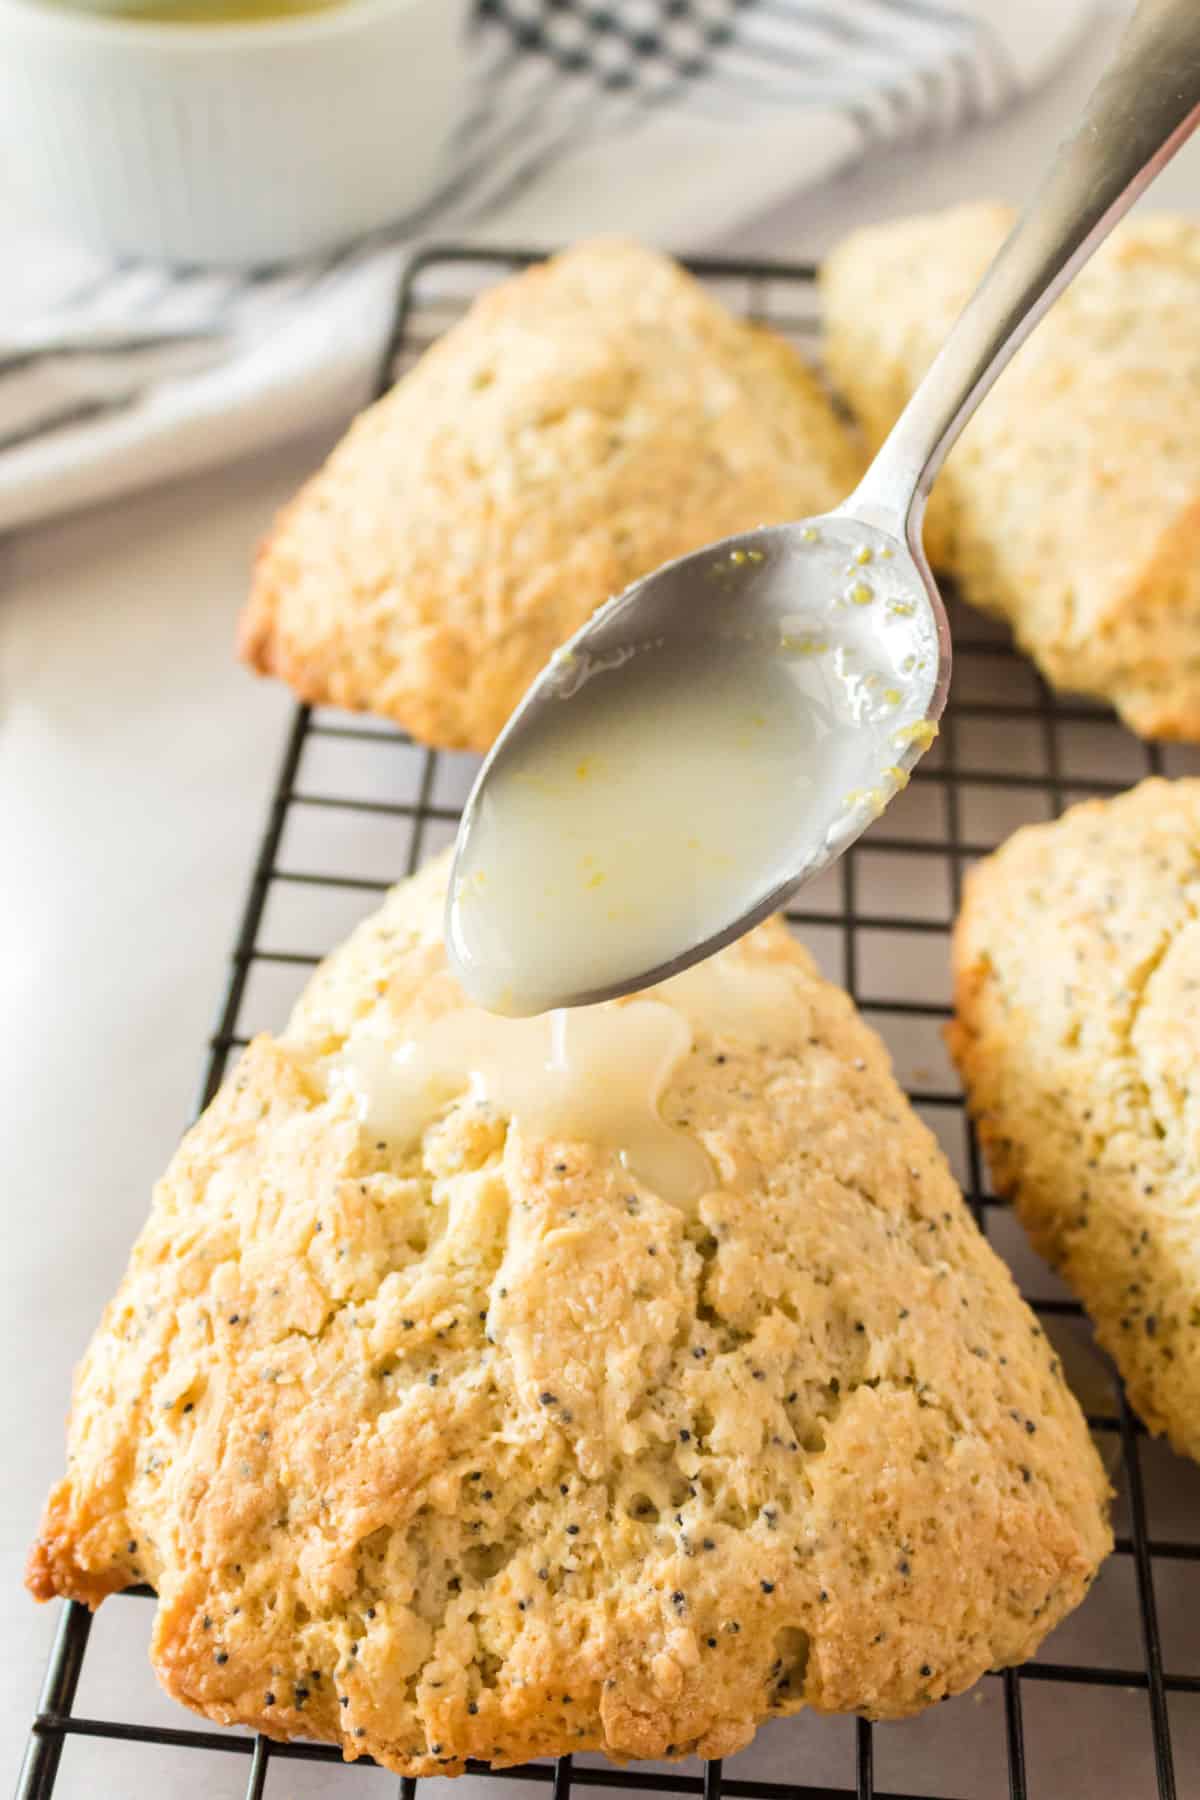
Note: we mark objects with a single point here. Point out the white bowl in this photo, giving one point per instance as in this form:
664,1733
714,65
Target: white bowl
234,144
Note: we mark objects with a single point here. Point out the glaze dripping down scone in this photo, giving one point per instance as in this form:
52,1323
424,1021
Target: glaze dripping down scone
589,419
1077,963
487,1450
1072,504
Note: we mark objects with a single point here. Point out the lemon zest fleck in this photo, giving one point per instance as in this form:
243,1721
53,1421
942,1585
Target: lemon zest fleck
921,732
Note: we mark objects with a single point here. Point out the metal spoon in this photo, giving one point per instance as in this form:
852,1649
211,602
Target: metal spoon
786,576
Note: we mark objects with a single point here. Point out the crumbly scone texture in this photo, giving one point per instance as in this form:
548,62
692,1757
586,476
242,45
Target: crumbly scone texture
490,1451
1072,504
1077,965
590,419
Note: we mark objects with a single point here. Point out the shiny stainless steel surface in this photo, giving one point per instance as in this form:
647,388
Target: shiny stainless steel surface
1143,109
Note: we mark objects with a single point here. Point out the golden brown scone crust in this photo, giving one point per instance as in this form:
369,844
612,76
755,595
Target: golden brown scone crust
1072,504
590,419
490,1451
1077,964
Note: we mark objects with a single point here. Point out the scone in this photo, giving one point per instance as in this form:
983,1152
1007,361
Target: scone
1072,504
478,1446
1077,964
588,420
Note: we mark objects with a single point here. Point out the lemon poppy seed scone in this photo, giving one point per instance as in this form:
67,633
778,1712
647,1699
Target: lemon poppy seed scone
1077,959
1071,506
588,420
439,1436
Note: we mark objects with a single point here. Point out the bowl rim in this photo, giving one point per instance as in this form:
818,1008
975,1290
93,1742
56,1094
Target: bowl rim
338,18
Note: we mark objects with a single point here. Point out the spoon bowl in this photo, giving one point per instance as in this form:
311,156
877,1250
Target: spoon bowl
711,739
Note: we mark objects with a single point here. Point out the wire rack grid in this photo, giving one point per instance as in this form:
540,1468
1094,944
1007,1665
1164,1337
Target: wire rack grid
1111,1706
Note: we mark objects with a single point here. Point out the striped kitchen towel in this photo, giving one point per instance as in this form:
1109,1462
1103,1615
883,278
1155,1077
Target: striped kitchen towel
673,120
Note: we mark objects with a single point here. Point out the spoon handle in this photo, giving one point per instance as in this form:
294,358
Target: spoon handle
1146,105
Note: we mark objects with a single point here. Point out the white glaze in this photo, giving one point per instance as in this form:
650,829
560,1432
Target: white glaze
594,1074
671,791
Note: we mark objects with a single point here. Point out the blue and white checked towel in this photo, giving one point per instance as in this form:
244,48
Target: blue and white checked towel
674,120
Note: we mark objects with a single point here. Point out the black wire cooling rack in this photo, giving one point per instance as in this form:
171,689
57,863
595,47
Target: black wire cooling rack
1111,1706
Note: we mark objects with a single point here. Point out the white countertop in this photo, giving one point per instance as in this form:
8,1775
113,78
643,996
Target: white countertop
136,759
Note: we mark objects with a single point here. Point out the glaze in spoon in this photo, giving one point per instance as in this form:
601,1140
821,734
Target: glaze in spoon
722,731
